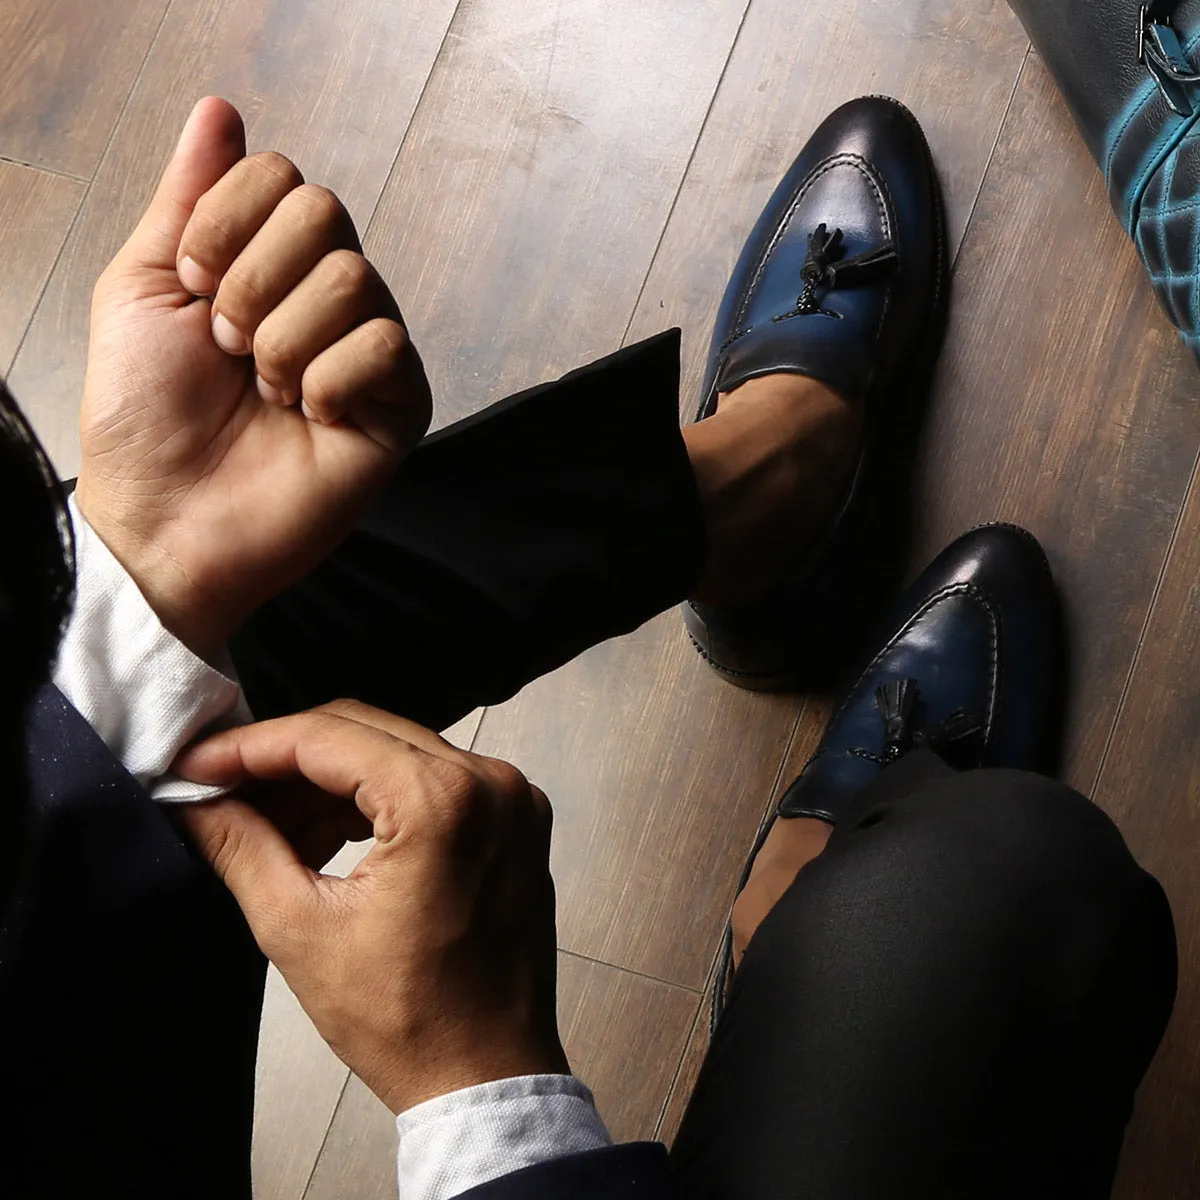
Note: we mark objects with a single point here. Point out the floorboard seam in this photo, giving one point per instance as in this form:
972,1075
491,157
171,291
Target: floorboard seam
669,1095
312,1172
412,120
987,167
112,134
687,170
44,170
600,962
1137,653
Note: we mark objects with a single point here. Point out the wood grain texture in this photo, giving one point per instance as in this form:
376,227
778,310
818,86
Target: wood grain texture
630,1075
36,211
530,195
1150,784
298,1083
1065,401
659,773
332,85
953,64
67,67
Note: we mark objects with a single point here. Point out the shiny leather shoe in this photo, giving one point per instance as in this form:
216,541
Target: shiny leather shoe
973,669
843,279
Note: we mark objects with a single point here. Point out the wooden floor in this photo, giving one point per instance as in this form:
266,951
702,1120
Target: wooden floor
542,182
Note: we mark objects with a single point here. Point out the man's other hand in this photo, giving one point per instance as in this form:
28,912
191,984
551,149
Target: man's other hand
250,385
432,966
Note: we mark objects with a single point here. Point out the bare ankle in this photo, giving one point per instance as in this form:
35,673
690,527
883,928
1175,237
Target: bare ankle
791,845
770,465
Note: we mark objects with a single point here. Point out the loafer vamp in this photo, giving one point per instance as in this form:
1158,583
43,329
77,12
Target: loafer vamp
865,172
979,634
960,617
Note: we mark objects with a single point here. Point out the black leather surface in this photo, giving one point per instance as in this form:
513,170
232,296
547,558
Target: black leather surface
979,631
1141,131
866,171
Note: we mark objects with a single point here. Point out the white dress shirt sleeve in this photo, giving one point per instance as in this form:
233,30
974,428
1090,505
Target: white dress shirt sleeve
148,697
140,688
468,1138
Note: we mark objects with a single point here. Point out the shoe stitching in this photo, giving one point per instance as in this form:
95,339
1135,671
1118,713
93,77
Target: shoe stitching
831,164
957,589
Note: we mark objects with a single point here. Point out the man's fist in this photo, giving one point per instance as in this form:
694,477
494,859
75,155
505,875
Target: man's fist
432,966
250,386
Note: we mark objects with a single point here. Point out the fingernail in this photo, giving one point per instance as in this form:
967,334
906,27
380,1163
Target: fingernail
227,337
272,395
308,412
195,278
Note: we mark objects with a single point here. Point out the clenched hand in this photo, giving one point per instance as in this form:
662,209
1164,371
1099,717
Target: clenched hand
250,385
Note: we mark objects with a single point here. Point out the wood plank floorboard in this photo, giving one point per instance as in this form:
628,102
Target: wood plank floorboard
1150,784
525,207
630,1074
36,211
333,86
67,67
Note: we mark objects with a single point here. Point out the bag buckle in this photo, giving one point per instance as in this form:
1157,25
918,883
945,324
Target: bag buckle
1162,54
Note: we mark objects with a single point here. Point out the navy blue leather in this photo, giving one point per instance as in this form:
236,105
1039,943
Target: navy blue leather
980,632
637,1171
1144,137
866,171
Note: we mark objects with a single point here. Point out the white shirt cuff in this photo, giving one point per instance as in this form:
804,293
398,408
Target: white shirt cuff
471,1137
140,688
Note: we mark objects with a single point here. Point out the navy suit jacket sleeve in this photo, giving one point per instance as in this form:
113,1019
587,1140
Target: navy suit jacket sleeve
638,1171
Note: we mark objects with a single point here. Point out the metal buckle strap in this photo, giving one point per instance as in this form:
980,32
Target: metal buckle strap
1163,55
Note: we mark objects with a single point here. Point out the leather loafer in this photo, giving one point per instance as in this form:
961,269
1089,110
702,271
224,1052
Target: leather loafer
973,670
844,279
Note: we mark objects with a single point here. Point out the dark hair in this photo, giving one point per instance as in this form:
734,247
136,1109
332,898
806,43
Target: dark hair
37,585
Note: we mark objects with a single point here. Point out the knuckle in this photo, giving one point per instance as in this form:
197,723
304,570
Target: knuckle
318,207
509,780
276,353
349,272
459,797
212,233
388,340
351,710
278,166
243,293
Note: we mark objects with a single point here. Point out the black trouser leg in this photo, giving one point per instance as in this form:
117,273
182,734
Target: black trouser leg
505,546
958,998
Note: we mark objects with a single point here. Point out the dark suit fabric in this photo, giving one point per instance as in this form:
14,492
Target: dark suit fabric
130,988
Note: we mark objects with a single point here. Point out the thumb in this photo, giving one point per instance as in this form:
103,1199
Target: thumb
257,864
213,140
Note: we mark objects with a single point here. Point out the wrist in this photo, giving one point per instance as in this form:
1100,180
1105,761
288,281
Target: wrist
185,608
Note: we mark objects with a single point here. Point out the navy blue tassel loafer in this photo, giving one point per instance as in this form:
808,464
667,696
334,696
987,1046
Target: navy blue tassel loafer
844,279
972,670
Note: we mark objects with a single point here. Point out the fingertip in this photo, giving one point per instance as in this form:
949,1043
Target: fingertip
195,278
269,393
